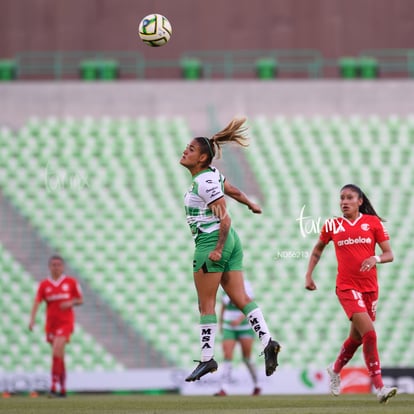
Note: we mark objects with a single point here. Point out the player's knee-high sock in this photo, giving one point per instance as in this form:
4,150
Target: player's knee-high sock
257,322
372,361
63,376
56,371
347,352
208,329
252,369
226,368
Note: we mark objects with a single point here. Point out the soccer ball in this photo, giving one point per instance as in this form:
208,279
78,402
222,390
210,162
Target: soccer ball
155,30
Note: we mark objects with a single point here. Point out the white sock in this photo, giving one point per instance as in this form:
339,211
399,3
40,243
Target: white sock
207,339
252,370
258,324
226,368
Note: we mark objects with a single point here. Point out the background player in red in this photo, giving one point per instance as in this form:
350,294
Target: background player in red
355,236
61,293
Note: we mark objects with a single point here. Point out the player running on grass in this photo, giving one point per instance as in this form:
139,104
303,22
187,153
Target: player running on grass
218,256
355,236
61,293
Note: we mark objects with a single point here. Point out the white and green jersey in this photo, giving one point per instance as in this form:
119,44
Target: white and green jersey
207,187
232,312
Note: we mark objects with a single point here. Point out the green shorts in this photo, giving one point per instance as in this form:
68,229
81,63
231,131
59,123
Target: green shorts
235,335
231,259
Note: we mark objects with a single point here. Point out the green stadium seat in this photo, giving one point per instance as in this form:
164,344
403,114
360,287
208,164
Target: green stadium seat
89,70
348,67
191,68
109,70
8,70
266,68
369,68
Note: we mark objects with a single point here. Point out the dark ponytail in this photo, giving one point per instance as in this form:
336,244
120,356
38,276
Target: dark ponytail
366,206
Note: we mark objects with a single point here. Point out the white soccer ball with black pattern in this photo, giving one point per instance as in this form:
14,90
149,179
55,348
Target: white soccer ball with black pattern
155,30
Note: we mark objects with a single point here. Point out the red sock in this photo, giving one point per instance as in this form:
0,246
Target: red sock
56,372
370,350
347,352
63,377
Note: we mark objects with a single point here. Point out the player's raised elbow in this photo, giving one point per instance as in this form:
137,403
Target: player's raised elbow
234,193
231,190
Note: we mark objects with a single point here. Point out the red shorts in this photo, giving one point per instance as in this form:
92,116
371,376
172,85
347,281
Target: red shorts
356,302
61,330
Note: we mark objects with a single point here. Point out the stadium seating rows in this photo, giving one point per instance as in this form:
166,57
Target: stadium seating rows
113,190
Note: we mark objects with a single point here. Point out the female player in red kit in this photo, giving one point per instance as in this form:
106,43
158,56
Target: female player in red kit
355,236
61,293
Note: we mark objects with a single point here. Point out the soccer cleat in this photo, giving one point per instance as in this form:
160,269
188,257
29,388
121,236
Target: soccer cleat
202,369
385,393
270,353
335,381
221,393
256,391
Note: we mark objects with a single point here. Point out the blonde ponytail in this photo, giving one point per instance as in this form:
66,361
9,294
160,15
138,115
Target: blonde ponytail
235,131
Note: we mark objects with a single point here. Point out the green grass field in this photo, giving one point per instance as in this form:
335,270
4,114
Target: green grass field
175,404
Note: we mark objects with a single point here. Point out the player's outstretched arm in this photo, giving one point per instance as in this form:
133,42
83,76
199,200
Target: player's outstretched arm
239,196
313,261
35,307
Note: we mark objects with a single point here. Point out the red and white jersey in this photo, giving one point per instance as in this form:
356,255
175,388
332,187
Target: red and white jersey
354,242
54,292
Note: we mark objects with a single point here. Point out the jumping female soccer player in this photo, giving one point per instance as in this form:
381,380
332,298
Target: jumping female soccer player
218,253
61,293
355,236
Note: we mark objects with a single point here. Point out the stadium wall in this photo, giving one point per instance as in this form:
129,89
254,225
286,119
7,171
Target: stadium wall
199,101
335,27
285,381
